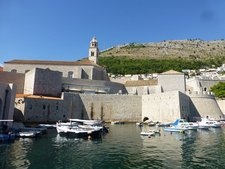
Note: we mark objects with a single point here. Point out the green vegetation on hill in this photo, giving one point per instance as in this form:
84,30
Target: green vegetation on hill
219,90
125,65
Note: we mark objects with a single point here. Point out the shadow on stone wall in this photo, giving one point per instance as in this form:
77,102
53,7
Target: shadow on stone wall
18,115
78,109
194,114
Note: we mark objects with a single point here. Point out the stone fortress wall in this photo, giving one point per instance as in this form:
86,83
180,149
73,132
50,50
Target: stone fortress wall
206,105
17,79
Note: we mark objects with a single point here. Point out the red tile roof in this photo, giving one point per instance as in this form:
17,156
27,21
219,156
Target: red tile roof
37,97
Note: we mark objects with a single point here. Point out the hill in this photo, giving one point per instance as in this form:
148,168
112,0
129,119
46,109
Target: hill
187,49
144,58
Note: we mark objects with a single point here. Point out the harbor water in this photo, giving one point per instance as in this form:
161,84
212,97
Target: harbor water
121,148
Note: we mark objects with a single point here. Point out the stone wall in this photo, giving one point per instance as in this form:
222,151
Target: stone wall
172,82
42,110
7,99
144,90
207,84
165,107
43,82
104,107
15,78
221,104
79,71
205,105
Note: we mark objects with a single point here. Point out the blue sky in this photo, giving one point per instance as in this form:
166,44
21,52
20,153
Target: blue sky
62,29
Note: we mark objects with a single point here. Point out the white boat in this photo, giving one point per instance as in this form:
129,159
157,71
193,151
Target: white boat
27,134
49,126
147,133
210,123
117,122
80,128
180,125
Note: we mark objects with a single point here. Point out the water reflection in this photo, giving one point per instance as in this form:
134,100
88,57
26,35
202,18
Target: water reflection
123,148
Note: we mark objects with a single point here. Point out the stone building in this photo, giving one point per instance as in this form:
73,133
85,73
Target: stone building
43,82
83,69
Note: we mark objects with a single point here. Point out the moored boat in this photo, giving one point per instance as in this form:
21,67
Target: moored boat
147,133
29,134
81,128
210,123
180,125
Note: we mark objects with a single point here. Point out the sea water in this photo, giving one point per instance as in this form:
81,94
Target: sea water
121,148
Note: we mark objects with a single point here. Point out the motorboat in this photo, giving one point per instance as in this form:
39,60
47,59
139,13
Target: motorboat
81,128
180,125
209,123
147,133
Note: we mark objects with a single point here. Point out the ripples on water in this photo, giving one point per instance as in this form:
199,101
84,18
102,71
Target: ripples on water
122,148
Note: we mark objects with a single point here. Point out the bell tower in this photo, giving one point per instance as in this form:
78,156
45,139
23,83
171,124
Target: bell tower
93,50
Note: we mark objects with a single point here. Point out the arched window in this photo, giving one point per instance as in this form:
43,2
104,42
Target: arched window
92,53
70,74
14,70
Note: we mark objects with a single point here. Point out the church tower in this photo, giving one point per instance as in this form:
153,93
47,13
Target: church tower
93,50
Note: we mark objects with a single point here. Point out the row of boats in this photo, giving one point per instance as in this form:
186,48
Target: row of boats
73,128
181,125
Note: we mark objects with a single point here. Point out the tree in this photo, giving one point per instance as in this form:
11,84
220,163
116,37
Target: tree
219,90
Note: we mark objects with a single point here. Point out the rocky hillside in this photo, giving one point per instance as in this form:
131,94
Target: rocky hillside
189,49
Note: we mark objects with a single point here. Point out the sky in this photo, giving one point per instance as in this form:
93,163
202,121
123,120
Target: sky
62,29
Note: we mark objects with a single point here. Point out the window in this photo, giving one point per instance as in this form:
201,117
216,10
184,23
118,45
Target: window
44,107
70,74
14,70
92,53
30,106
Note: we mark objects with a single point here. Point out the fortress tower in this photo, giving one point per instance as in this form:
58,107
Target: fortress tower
93,50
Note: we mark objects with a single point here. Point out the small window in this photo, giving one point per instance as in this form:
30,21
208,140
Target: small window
57,107
14,70
30,107
44,107
92,53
